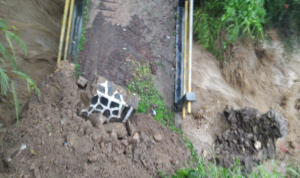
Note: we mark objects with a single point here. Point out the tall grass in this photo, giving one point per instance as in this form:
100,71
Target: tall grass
7,55
221,22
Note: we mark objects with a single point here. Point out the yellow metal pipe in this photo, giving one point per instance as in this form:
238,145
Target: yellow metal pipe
69,29
185,53
189,105
63,28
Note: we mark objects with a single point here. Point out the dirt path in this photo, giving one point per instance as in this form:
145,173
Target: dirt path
122,31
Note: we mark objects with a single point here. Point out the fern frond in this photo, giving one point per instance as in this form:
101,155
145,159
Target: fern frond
3,23
15,37
6,54
12,49
30,82
3,82
17,107
2,60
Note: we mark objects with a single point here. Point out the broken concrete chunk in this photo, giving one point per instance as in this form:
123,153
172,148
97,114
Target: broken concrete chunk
82,81
111,100
119,128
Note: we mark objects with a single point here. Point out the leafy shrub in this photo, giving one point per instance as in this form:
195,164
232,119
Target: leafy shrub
8,55
221,22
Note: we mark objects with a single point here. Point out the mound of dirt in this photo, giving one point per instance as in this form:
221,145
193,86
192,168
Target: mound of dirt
53,141
251,137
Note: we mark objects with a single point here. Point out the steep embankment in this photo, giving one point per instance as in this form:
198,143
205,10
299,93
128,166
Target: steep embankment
39,24
255,76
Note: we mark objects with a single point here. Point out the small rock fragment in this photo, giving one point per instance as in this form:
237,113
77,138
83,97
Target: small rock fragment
136,136
130,128
35,170
82,81
124,142
119,128
257,145
158,137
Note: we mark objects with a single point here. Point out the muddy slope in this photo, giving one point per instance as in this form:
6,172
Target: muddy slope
39,22
256,76
53,141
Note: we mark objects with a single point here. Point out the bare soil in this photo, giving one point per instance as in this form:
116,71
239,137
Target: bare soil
53,141
123,31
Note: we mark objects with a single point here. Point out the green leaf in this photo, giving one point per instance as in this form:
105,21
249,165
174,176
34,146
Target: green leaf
3,24
3,82
17,107
12,49
15,37
30,82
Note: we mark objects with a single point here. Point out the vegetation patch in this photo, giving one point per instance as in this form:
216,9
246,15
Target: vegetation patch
151,100
7,57
82,39
218,23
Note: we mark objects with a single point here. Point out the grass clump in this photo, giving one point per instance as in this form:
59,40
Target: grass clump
7,57
150,98
82,39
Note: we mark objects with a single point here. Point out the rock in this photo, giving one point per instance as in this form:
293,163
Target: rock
14,152
119,128
130,128
86,128
81,145
35,170
82,81
158,137
204,153
128,150
257,145
173,162
114,136
96,136
70,114
143,162
144,137
124,142
115,159
282,124
136,136
94,158
64,121
109,148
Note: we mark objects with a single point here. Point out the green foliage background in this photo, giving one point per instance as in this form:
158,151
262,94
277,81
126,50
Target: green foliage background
218,23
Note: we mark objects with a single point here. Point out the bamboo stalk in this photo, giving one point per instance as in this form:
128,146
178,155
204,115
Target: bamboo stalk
63,28
189,105
69,29
186,6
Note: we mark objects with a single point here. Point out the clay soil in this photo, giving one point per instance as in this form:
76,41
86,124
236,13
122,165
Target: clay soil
53,141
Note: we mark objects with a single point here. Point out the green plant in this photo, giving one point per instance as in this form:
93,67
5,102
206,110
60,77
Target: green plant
12,37
82,39
218,23
284,16
151,99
